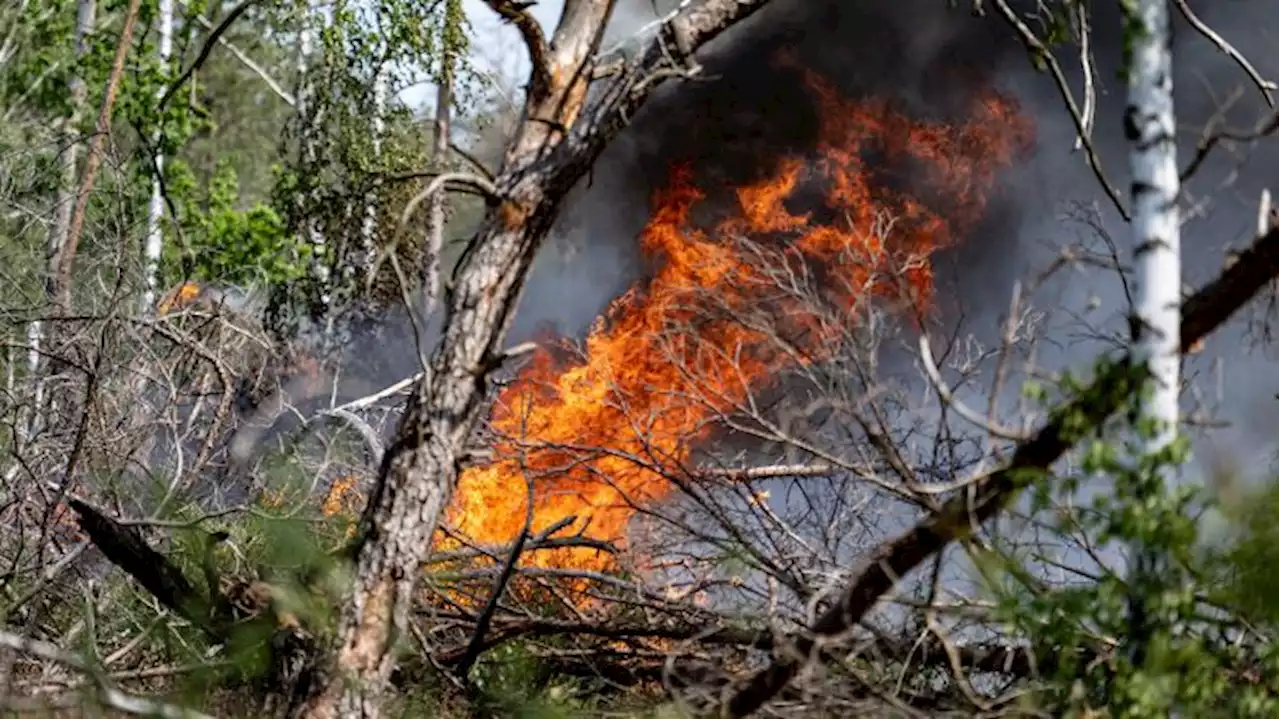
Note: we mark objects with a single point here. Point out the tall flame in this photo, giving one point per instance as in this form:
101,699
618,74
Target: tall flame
662,362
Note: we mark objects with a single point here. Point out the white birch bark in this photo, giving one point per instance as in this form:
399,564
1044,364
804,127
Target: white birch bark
155,210
368,230
310,124
1150,128
435,207
68,158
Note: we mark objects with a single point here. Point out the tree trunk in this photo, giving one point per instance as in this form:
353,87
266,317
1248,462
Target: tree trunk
435,204
86,12
556,143
309,124
1150,128
359,269
155,210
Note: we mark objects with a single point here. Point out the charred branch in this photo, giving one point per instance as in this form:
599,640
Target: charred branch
124,546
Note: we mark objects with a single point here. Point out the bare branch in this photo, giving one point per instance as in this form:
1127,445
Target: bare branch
107,694
948,397
205,50
518,15
1265,87
961,516
1039,52
248,62
441,182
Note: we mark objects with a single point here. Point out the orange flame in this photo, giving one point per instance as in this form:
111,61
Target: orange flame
664,361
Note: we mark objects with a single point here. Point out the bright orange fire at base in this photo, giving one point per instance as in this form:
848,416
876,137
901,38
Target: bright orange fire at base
660,365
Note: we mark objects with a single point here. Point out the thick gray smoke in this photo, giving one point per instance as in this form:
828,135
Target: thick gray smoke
747,112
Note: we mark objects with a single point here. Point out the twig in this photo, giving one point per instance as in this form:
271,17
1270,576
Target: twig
109,695
1037,48
248,62
960,408
205,50
1265,87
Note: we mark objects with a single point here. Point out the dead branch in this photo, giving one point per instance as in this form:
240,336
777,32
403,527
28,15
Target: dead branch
960,517
1265,87
124,547
517,14
254,67
1036,48
205,50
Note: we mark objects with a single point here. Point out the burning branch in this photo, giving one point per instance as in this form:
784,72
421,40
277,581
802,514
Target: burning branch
960,517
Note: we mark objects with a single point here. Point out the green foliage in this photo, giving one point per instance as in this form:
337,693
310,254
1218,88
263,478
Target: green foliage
220,242
513,682
1195,638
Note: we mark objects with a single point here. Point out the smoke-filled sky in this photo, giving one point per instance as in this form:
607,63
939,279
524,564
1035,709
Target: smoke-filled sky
746,112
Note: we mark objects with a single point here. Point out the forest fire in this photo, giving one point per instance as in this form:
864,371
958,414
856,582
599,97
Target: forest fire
597,433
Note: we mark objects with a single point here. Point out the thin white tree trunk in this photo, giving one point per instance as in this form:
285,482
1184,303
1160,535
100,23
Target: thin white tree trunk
1150,128
369,230
435,205
155,210
309,125
68,158
1149,125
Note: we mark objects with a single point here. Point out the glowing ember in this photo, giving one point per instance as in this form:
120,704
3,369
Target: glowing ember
179,297
662,362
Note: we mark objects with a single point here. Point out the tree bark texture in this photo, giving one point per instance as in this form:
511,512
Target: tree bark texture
1150,128
155,209
558,140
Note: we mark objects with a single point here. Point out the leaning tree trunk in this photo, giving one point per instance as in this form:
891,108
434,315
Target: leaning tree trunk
559,138
1150,128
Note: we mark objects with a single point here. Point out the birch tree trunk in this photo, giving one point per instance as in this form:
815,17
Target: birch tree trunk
1150,128
369,228
435,204
309,124
68,158
559,138
155,210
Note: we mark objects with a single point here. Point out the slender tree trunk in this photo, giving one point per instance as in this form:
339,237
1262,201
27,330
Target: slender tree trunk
68,158
155,210
369,230
1150,128
309,126
440,133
